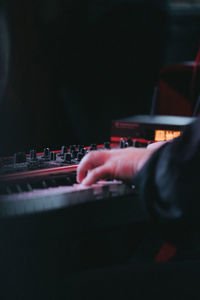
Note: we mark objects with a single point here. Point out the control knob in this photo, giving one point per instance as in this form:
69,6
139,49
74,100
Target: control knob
136,144
107,145
67,157
122,143
19,157
63,150
80,155
129,142
52,155
93,147
33,155
73,153
46,153
72,148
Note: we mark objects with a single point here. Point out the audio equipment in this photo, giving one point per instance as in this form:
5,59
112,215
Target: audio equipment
151,128
38,182
51,227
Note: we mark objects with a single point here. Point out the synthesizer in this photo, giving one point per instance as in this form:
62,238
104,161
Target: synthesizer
38,182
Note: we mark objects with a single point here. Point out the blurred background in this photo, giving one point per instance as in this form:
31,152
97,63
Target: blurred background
68,68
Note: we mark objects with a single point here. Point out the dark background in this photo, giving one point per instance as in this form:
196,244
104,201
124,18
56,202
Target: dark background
70,67
67,69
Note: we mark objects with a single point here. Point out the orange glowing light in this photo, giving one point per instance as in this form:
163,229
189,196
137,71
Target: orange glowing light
166,135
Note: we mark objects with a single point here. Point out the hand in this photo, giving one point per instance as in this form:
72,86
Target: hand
113,164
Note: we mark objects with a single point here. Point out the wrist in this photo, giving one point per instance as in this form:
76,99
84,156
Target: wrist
143,157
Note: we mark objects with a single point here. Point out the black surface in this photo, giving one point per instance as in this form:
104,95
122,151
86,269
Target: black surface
159,120
38,252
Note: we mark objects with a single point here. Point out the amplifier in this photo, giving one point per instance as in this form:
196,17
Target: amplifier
149,128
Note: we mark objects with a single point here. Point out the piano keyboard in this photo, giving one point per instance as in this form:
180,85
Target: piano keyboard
40,200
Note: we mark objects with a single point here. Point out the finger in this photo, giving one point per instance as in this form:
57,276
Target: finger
96,174
89,162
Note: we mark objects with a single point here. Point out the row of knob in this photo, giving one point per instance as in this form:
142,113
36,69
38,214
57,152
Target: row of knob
66,153
124,143
73,152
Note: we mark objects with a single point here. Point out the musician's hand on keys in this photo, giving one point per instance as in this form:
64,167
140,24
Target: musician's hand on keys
113,164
